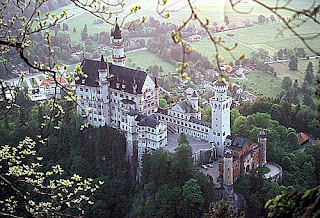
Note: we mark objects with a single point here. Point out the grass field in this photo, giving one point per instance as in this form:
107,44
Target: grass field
263,84
206,48
260,84
283,70
265,37
144,59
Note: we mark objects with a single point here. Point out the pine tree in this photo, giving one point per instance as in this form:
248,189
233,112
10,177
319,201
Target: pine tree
84,33
310,67
309,77
293,63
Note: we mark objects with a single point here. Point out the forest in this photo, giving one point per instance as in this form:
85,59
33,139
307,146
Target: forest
171,186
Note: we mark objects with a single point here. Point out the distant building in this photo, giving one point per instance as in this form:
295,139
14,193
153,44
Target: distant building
49,87
195,38
302,138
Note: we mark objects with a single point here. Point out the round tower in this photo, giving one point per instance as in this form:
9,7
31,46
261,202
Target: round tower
117,44
220,124
228,168
262,141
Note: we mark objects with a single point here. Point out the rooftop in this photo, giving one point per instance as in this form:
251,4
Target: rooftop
123,76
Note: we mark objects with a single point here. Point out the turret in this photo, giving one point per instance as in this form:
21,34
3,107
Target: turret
194,100
220,88
262,141
116,40
228,168
103,71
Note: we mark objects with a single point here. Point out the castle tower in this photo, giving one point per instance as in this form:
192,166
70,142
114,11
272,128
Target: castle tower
228,170
156,90
104,90
262,141
194,100
116,40
220,124
103,71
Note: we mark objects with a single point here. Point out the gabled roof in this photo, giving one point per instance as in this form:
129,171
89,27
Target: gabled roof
51,81
128,77
121,75
238,143
186,107
302,138
90,68
149,121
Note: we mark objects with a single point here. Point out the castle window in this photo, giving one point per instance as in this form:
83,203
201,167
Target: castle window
81,89
87,90
98,92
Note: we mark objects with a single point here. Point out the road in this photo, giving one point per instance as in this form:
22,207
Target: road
283,61
274,170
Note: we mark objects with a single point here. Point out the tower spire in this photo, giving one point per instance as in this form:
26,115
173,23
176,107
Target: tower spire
117,44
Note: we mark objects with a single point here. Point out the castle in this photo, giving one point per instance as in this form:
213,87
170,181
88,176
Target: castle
128,100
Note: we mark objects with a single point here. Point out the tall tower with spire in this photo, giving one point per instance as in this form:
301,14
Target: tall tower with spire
104,84
220,124
116,40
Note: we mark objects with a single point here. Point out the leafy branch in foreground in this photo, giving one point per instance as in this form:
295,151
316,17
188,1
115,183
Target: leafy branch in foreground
27,189
295,204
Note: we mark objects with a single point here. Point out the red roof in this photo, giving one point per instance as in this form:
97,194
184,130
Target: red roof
51,81
196,36
317,142
302,138
245,94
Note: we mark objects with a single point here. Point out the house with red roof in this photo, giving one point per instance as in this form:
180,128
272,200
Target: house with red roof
303,138
195,38
49,86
